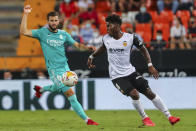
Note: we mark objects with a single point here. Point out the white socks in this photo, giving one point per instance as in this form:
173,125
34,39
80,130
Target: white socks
86,120
139,108
158,103
41,90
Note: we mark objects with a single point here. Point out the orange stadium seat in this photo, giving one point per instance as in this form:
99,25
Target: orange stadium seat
124,26
18,63
103,29
184,16
14,63
101,17
75,21
103,6
166,16
145,31
194,12
37,63
165,28
154,15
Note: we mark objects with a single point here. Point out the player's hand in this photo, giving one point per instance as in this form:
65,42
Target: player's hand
153,72
27,9
90,63
91,48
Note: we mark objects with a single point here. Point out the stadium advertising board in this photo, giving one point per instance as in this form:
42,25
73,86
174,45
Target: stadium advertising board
97,94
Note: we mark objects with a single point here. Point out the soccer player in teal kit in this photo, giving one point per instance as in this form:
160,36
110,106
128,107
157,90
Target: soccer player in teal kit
52,42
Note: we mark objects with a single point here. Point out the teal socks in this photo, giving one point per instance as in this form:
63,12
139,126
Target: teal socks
51,88
77,107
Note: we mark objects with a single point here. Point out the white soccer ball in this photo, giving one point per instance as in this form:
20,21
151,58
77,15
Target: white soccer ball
69,78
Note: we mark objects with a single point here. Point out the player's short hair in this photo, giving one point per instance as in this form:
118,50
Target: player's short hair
53,13
115,19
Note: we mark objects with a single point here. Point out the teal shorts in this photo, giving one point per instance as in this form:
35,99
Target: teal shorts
56,77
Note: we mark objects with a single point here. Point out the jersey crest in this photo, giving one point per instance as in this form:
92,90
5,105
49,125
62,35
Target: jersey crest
124,43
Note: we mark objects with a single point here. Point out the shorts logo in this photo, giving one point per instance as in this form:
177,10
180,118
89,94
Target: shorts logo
118,87
138,77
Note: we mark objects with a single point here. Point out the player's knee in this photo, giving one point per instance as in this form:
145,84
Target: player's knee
69,93
72,98
134,94
149,94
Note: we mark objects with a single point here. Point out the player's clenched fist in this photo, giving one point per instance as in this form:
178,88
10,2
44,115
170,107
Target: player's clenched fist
91,48
153,72
27,9
90,62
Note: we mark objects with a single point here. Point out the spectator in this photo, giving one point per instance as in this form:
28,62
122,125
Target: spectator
67,25
192,31
86,31
151,5
75,34
119,6
7,75
186,5
133,9
134,5
97,39
143,16
159,43
41,75
27,73
90,14
68,8
178,35
168,4
83,4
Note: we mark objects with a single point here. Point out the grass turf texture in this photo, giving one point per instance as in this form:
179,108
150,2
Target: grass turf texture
66,120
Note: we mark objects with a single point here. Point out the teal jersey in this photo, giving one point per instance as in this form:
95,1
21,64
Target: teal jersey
53,46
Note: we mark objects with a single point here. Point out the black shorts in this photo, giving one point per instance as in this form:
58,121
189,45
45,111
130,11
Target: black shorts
134,81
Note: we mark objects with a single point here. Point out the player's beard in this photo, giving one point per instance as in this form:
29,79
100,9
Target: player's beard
53,29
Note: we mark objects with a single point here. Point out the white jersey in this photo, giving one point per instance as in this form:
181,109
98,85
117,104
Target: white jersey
119,52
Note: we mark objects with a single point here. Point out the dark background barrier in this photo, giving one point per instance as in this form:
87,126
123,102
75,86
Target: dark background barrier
165,61
175,63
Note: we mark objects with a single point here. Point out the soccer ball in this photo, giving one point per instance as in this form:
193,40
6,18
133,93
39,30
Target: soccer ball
70,78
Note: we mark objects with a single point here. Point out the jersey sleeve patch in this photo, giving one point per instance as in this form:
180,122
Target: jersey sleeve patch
137,41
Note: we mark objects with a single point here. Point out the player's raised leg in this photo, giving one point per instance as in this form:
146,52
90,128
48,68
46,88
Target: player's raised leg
77,107
69,93
39,90
159,104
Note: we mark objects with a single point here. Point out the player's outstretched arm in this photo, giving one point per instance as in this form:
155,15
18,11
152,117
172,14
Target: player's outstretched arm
23,27
83,47
99,51
151,68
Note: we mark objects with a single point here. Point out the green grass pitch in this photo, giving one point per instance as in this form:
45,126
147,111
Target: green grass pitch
66,120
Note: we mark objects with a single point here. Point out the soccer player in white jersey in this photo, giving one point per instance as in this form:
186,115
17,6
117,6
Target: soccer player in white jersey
123,75
52,42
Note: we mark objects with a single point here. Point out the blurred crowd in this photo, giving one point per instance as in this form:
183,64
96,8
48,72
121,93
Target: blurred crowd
25,73
162,24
